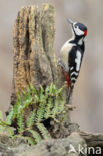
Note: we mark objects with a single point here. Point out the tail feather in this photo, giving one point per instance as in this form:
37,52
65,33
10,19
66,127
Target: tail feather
69,95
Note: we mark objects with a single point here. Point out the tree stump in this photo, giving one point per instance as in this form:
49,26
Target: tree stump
34,57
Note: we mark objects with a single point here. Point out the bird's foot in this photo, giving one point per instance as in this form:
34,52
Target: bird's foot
59,62
61,65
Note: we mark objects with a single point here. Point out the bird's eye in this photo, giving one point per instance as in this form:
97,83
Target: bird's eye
75,26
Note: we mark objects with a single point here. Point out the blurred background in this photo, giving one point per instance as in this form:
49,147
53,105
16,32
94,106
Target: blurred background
88,91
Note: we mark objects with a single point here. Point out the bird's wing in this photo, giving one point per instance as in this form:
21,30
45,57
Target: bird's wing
74,63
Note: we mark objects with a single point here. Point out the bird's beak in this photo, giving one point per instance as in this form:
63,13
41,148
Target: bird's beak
70,21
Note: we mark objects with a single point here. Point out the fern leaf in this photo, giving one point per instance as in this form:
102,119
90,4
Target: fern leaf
59,91
33,90
10,131
1,115
62,103
27,102
58,107
10,116
55,109
20,123
36,136
41,91
40,110
2,129
30,140
43,130
48,108
30,119
54,89
51,88
1,126
47,90
27,98
36,99
17,106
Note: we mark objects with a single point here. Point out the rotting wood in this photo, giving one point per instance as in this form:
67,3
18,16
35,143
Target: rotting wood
34,56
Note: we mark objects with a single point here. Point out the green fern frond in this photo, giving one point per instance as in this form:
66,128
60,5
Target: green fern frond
1,115
17,106
59,106
5,126
1,126
10,131
33,90
27,98
1,129
44,132
48,108
54,89
30,119
55,110
40,112
36,99
41,107
36,136
20,122
27,102
59,91
10,116
47,91
41,91
49,103
29,140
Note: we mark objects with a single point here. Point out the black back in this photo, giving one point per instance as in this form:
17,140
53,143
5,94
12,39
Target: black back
72,63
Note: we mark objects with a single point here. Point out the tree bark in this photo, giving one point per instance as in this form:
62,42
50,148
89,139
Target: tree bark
34,57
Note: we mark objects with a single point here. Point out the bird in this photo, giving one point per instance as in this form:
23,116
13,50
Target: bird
71,55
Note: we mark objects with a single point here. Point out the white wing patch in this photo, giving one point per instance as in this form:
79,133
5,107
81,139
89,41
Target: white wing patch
71,68
78,61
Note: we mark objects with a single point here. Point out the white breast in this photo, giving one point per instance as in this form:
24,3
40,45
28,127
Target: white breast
78,60
64,54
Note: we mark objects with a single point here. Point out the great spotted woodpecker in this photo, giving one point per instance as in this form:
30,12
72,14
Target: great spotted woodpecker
71,55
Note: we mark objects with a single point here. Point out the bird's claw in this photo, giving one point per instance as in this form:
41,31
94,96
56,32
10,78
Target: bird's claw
61,65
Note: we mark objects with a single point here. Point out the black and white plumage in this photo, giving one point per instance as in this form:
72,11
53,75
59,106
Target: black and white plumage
71,55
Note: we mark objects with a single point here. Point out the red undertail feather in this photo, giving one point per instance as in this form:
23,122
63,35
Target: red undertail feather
68,79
